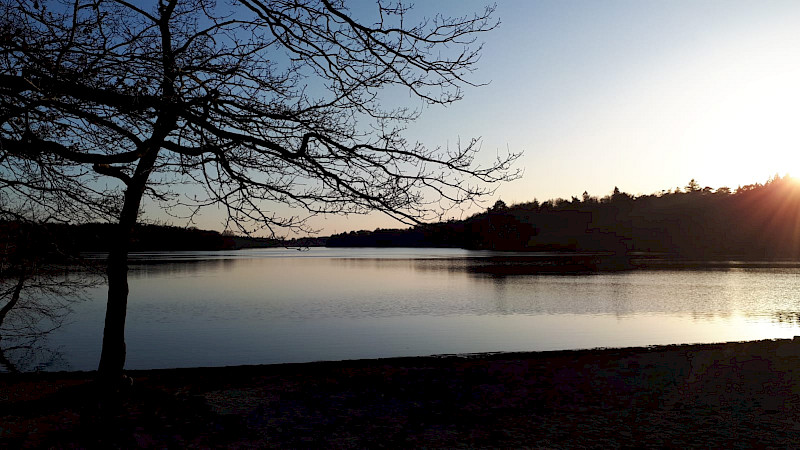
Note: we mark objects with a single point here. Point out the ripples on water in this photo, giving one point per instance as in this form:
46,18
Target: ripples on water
284,305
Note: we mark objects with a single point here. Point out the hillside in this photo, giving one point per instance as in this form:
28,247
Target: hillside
65,239
758,221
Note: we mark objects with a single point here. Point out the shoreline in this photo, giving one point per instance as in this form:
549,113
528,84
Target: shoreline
696,395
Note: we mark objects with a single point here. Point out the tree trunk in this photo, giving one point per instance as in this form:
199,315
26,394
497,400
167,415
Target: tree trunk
112,357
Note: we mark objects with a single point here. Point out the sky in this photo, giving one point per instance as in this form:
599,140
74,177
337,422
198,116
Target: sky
641,95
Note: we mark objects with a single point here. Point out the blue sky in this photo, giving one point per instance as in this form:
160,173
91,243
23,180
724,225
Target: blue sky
643,95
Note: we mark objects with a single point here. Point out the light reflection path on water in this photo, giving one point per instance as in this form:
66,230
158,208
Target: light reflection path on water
280,305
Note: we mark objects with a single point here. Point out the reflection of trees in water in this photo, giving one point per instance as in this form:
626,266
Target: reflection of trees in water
157,267
35,302
498,267
29,354
38,284
521,287
786,317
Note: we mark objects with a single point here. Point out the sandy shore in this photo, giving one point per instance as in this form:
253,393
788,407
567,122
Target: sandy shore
718,395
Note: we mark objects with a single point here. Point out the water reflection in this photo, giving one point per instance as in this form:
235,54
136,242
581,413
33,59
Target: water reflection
37,300
376,287
31,355
787,317
282,306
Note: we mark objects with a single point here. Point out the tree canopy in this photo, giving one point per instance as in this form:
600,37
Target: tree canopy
259,103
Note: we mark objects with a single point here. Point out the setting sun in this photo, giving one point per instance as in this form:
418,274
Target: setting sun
750,125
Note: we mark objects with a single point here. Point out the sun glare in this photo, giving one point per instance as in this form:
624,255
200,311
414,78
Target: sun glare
749,111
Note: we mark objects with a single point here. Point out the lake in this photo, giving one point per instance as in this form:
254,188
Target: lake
264,306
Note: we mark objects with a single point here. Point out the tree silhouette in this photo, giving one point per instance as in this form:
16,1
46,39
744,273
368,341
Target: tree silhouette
757,222
499,206
270,102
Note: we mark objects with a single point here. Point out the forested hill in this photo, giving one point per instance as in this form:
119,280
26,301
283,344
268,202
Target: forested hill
754,221
95,237
758,221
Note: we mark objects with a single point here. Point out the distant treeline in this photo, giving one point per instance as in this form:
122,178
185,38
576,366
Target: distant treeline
754,221
56,239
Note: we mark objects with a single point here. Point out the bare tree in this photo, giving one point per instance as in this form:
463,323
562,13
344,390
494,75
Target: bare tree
255,104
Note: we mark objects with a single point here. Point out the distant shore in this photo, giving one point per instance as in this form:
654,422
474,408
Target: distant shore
744,394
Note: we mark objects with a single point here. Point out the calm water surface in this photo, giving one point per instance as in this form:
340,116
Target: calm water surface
281,305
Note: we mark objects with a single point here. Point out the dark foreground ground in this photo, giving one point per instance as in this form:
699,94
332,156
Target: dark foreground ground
726,395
